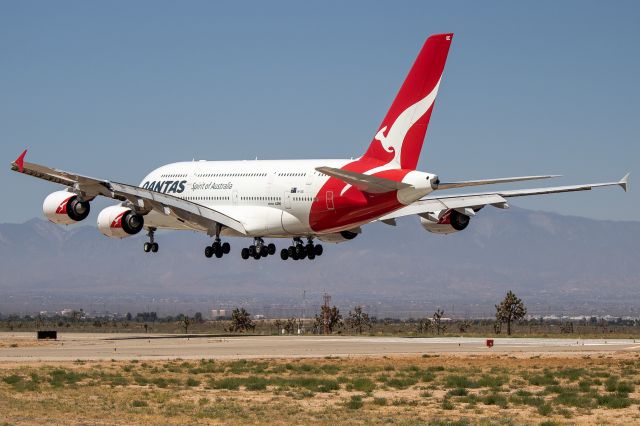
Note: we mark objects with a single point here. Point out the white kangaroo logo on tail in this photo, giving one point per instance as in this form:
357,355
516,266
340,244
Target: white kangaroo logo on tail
398,131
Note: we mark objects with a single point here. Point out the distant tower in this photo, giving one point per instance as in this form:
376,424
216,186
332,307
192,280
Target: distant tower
327,302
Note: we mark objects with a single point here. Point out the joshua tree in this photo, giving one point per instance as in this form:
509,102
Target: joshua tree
241,321
423,325
278,325
509,310
186,322
437,321
334,318
463,326
358,319
290,326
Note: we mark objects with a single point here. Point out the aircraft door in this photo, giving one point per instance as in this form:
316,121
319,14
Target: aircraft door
287,200
330,205
234,197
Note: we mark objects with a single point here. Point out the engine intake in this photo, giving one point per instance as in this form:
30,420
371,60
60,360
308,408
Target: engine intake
119,222
65,208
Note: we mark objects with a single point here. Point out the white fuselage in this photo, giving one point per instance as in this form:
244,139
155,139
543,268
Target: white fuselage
272,198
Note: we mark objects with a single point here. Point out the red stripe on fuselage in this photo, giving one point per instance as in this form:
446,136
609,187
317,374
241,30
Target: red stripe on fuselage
354,207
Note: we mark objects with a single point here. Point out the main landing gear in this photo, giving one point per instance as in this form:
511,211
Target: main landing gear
258,250
151,245
300,251
218,249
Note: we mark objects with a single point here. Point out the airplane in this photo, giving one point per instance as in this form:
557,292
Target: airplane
302,200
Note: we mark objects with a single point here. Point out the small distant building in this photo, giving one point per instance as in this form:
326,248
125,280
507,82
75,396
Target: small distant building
218,314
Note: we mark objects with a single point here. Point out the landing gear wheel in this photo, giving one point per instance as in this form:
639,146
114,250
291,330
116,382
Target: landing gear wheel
244,253
311,255
284,254
218,253
291,250
318,250
154,247
252,250
299,249
294,256
264,252
271,248
257,255
303,253
226,248
208,251
146,247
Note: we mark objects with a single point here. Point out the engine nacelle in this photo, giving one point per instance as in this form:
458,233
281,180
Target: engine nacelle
339,237
119,222
64,208
450,221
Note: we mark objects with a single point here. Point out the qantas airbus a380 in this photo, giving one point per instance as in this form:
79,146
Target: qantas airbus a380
302,200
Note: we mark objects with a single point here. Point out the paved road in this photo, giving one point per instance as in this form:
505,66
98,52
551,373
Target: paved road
73,346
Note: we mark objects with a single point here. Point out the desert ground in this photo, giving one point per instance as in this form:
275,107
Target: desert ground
162,379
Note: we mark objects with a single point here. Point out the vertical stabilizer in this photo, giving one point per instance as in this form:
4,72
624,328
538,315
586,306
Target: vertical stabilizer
400,137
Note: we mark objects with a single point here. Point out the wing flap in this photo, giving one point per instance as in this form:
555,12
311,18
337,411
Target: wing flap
435,204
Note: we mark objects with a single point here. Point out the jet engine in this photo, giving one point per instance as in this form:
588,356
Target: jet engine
65,208
119,222
446,222
339,237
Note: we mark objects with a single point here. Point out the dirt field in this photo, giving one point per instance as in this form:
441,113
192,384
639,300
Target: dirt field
428,389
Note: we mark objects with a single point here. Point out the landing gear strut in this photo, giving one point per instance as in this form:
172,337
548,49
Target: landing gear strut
299,250
151,245
218,248
258,249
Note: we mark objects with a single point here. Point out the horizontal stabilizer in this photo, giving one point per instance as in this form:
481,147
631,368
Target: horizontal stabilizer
365,183
464,184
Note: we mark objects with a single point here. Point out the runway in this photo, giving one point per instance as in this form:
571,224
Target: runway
23,347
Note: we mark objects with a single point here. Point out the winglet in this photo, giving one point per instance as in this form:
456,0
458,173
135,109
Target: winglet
20,161
624,182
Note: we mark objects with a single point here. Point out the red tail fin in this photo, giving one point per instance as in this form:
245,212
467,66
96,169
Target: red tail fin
402,132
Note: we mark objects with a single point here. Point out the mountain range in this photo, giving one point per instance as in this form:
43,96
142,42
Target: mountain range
554,262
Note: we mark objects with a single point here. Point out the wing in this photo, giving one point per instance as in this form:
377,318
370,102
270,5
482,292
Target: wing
142,200
496,198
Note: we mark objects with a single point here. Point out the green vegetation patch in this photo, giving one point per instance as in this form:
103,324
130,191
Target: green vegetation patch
354,403
61,377
614,401
363,384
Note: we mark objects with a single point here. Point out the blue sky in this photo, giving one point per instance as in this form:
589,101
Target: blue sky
114,89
